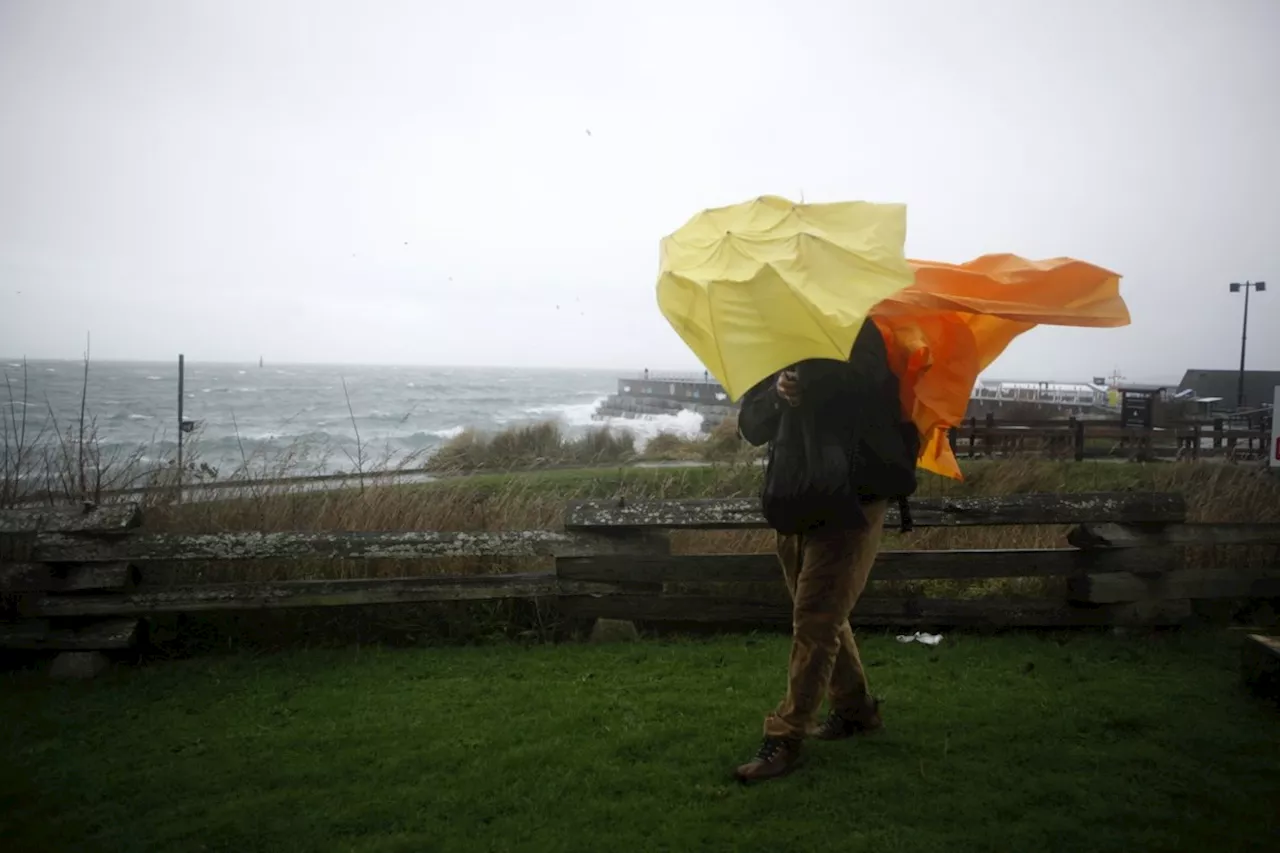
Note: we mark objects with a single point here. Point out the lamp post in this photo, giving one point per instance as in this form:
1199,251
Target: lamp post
1236,287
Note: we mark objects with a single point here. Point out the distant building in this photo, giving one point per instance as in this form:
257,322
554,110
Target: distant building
1218,389
1138,403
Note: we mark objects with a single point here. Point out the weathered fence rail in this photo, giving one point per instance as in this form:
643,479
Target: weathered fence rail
85,579
1099,439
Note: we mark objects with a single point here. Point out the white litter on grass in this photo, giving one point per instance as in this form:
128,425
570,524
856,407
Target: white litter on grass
920,637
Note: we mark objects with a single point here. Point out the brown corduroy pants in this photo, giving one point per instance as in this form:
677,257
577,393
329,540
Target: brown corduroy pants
825,574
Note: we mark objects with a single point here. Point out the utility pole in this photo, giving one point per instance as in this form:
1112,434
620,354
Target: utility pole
181,420
1236,287
184,426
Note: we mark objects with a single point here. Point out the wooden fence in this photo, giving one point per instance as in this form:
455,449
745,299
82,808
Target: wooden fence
80,580
1081,439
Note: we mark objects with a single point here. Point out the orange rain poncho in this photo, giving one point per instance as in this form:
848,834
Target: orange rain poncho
955,320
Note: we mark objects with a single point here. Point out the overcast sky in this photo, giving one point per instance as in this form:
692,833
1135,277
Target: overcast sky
486,182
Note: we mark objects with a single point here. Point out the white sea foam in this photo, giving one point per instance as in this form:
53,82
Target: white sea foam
451,432
683,423
582,416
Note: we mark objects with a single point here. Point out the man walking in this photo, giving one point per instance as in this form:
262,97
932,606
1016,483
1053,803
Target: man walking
839,453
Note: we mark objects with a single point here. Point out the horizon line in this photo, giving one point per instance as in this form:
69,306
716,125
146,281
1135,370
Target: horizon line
11,361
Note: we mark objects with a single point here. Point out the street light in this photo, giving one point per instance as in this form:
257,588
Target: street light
1236,287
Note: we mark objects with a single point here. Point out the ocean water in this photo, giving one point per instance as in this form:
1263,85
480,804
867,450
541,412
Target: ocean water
297,417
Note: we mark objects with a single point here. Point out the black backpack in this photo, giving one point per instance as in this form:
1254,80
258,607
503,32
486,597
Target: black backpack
846,444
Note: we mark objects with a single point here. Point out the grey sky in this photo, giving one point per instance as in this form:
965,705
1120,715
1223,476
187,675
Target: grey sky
487,182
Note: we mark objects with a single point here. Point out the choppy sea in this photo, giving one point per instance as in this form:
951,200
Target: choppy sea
298,415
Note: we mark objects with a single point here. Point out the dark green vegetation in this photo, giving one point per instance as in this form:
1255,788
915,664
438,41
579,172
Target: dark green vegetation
546,444
512,501
1017,742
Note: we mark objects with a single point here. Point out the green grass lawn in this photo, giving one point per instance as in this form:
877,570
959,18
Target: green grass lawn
1009,743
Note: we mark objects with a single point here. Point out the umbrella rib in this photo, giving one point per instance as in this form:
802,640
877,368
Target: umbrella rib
808,309
715,331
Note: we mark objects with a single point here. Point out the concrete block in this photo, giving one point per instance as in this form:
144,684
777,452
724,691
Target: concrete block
614,631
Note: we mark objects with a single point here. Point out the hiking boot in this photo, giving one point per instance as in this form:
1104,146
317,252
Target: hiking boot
838,727
777,756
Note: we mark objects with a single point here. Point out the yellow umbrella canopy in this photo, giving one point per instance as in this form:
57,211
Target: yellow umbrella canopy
756,287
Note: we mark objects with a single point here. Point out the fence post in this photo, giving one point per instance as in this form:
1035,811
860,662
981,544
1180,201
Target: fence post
990,437
1078,427
1217,433
973,436
1195,448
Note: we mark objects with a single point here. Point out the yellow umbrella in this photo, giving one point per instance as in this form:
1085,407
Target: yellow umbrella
756,287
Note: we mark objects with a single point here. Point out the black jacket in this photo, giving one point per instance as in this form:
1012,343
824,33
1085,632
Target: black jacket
845,444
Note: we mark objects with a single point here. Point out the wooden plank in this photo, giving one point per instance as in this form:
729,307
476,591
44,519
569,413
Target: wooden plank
411,545
112,518
1173,535
40,577
906,612
320,593
37,635
1178,584
1149,613
890,565
1260,666
671,608
927,512
98,576
25,577
1063,432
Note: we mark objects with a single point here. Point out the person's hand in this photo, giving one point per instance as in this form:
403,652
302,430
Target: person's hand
788,387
